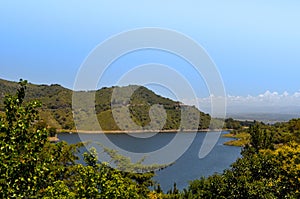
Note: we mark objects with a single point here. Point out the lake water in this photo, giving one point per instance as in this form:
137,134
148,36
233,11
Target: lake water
186,168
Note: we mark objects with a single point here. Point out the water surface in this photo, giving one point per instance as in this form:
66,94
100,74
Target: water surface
188,167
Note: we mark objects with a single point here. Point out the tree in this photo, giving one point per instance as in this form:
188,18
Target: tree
260,138
28,162
52,131
141,174
21,146
31,166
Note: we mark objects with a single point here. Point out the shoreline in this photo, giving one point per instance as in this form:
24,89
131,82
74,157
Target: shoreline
238,140
140,131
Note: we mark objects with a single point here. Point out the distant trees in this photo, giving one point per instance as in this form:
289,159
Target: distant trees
232,124
57,110
52,131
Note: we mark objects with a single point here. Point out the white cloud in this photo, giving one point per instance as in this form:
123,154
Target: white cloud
296,95
265,102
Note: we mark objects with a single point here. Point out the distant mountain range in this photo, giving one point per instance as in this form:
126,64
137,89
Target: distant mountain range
57,110
266,114
268,118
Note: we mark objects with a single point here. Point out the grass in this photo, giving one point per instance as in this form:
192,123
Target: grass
240,139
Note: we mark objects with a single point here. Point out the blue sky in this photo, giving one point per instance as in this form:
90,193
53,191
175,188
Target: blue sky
254,44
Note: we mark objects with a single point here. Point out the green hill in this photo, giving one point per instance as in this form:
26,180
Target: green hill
57,108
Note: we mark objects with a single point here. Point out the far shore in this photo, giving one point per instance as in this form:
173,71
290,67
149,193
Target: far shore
141,131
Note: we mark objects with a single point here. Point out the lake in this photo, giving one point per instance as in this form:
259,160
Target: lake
186,168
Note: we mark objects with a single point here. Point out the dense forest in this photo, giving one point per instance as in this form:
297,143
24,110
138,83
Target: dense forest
32,167
57,107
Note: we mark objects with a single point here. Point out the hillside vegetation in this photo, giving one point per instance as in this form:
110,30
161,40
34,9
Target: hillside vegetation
56,110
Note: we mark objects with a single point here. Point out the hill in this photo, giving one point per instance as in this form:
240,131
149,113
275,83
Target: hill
57,110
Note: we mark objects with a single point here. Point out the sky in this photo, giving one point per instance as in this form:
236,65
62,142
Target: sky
254,44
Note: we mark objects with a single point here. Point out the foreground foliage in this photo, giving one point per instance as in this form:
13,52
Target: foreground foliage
31,166
267,169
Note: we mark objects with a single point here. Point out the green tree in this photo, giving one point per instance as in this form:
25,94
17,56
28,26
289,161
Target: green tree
21,146
138,172
28,162
260,138
32,167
